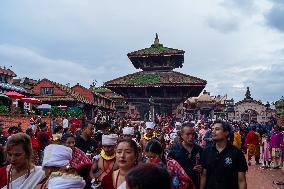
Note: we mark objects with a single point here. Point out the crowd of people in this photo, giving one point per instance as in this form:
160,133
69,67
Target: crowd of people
120,153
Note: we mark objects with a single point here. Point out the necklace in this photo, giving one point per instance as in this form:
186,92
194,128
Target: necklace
149,138
10,177
107,170
116,180
106,157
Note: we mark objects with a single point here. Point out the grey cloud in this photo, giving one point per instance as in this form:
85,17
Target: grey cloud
266,83
275,16
224,25
241,5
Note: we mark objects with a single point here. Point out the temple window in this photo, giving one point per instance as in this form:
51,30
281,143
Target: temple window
46,90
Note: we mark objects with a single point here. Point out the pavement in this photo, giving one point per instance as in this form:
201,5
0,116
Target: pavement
258,178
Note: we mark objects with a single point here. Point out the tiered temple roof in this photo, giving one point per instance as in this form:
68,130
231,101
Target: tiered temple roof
153,78
157,57
156,49
157,83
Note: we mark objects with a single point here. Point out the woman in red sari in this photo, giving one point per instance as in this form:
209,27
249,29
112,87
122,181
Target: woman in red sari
127,158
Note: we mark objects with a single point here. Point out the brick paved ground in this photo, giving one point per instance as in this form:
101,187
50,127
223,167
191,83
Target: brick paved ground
258,178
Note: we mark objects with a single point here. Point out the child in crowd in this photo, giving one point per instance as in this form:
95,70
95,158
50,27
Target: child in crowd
266,152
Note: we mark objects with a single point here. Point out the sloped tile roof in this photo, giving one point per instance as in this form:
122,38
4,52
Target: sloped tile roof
7,72
156,50
158,78
12,87
71,95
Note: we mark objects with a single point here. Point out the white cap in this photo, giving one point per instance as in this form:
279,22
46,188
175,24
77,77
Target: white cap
56,155
178,123
128,131
150,125
109,139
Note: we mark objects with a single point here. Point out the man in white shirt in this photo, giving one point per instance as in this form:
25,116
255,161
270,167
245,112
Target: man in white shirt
65,123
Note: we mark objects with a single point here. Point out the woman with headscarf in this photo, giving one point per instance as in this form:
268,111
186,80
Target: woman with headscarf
21,173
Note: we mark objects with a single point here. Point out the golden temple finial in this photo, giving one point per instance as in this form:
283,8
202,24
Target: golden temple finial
157,41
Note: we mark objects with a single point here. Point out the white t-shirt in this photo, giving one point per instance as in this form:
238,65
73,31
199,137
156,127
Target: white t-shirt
65,123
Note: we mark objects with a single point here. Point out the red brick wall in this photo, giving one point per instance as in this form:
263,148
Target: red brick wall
46,83
9,121
84,92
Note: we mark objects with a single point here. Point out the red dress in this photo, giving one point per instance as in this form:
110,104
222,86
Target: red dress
36,149
107,182
3,176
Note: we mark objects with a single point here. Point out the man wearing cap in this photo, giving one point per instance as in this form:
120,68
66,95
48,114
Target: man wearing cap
56,157
107,160
56,166
128,133
224,165
148,135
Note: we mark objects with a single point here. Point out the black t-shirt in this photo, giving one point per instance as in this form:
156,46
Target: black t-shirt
89,145
187,160
222,168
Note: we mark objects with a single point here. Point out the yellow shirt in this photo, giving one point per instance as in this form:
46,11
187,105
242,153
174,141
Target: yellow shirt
237,139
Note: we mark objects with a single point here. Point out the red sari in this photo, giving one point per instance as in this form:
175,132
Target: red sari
36,149
3,177
107,182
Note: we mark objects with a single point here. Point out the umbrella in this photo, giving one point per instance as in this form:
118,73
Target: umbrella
44,106
31,100
14,95
62,106
3,95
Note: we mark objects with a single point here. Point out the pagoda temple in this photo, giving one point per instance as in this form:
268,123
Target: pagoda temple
157,85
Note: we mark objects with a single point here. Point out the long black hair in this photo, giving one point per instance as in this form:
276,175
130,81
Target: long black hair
155,147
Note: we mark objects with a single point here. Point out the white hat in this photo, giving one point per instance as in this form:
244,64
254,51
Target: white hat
63,181
178,123
128,131
56,155
150,125
109,139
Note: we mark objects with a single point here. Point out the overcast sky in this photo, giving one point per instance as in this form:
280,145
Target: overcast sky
230,43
